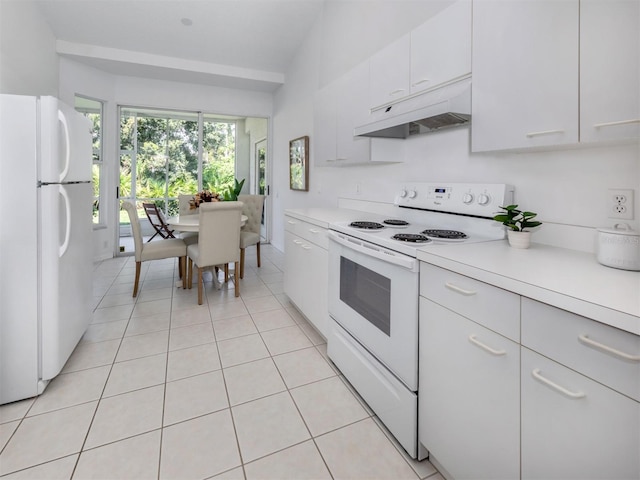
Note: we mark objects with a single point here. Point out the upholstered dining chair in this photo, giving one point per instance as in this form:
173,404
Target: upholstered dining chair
184,208
218,241
250,233
167,248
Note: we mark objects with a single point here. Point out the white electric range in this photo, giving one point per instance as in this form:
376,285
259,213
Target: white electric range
373,299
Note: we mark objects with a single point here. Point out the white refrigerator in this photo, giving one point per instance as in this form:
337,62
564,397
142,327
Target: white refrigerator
46,253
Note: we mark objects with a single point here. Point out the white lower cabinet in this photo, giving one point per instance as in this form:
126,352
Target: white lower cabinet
557,399
306,271
574,427
469,401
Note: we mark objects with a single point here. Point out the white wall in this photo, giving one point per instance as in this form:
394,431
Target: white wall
28,59
565,187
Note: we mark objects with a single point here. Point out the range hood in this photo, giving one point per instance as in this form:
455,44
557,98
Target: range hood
444,107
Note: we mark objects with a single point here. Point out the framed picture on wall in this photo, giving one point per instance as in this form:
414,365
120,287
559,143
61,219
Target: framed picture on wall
299,164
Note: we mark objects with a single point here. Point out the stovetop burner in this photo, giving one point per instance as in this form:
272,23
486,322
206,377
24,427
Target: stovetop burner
395,222
411,237
367,225
445,234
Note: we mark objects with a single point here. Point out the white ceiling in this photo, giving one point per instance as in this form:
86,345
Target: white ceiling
230,43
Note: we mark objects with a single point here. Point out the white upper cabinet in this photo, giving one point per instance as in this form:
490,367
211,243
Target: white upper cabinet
324,126
441,48
435,53
353,110
525,74
609,70
389,70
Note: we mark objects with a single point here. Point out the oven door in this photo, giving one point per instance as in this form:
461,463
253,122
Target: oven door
373,295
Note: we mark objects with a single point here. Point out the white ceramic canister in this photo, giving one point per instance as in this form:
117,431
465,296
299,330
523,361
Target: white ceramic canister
619,247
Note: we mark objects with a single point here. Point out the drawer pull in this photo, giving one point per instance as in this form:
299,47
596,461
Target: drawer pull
297,242
396,92
545,132
306,247
492,351
605,348
291,222
613,124
555,386
456,288
313,230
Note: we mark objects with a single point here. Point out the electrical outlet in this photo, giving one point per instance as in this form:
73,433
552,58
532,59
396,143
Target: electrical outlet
620,203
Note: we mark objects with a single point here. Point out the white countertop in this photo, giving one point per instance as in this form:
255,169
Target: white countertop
567,279
322,217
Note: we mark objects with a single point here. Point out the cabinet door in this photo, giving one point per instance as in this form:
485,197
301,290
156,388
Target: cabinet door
316,268
294,269
469,402
609,69
431,64
573,427
324,126
390,73
525,74
352,111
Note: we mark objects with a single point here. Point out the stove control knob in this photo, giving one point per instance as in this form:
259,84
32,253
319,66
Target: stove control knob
467,198
403,193
412,194
483,199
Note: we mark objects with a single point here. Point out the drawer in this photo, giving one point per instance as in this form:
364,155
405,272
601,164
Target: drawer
603,353
307,231
492,307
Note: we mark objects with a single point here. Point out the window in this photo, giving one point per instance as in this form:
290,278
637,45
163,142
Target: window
93,110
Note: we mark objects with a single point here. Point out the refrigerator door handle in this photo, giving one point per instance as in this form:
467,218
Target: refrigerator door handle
67,230
67,146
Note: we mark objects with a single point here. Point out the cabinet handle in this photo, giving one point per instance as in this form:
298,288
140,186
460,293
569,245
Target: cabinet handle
492,351
545,132
313,230
420,82
306,247
297,242
555,386
396,92
605,348
613,124
456,288
291,222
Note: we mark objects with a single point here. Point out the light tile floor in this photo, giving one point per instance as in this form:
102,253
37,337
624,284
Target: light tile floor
161,388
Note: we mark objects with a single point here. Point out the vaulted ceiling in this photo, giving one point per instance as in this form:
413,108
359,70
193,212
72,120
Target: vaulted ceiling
229,43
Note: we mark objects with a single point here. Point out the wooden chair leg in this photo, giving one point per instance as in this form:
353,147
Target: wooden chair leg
258,253
226,272
236,265
199,285
190,273
135,285
242,263
180,273
183,268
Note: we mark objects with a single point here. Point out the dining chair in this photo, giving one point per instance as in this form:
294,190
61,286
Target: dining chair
167,248
184,208
218,241
157,221
250,232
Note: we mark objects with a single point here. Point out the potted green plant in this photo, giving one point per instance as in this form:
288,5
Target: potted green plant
232,192
516,222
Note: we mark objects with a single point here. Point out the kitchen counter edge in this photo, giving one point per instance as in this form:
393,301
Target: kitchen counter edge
566,279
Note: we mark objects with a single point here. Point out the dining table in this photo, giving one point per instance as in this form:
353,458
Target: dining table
191,223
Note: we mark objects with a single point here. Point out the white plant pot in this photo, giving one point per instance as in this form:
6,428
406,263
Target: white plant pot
519,239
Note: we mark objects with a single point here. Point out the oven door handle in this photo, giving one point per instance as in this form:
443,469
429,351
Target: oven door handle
371,250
